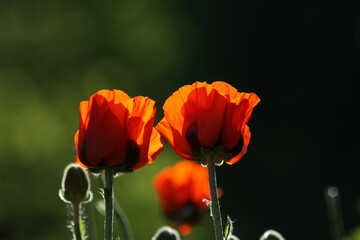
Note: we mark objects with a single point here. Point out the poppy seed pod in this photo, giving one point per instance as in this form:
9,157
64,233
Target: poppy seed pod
75,186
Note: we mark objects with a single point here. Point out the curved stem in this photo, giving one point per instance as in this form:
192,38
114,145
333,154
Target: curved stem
124,223
109,203
76,227
121,216
215,206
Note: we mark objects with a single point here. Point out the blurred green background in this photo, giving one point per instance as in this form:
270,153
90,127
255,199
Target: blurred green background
302,59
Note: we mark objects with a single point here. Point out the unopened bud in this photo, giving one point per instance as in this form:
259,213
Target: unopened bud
166,233
75,185
272,235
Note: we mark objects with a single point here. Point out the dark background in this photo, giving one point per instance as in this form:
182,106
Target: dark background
301,58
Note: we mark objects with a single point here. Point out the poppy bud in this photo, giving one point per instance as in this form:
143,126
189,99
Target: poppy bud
166,233
75,185
272,235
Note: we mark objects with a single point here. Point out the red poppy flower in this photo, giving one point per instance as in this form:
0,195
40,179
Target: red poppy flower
116,130
204,117
181,190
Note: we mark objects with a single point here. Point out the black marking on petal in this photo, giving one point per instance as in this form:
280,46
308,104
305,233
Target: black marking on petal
192,137
83,152
188,213
132,154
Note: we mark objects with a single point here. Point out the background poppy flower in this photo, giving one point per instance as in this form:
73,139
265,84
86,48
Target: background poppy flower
181,190
210,117
116,130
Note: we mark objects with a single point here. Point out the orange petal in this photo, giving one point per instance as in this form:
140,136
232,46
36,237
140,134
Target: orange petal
174,137
186,182
141,111
117,96
226,89
101,140
205,108
84,110
253,101
235,122
76,138
173,108
139,127
235,134
185,229
246,140
156,146
193,118
77,161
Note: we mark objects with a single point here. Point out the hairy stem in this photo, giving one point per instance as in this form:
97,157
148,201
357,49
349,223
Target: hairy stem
76,226
109,203
215,207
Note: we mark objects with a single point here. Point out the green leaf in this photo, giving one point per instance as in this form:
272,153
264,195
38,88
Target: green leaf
229,228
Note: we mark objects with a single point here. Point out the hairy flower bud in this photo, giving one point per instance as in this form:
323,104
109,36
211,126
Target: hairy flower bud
75,186
166,233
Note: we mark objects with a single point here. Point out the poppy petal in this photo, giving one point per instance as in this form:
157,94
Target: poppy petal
235,122
83,109
204,114
171,127
174,119
156,145
173,136
140,130
115,130
239,110
116,96
193,118
181,189
102,140
226,89
246,140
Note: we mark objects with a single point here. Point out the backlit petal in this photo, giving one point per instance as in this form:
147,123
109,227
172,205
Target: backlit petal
226,89
235,134
246,140
204,114
117,96
193,118
102,139
175,138
140,129
115,130
156,146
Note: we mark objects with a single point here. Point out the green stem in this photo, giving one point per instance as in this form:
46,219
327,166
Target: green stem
124,223
333,203
121,216
215,207
77,232
109,203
